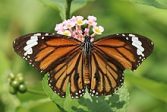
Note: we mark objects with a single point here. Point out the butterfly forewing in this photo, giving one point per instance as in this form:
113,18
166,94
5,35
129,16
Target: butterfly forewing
42,50
127,49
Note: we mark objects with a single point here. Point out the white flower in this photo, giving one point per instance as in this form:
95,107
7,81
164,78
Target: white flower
92,18
59,27
65,32
92,21
79,20
73,19
68,24
98,30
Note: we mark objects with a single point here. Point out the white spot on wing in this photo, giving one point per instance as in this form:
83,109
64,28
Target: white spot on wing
29,46
37,34
138,44
29,51
140,52
131,35
33,41
46,34
136,41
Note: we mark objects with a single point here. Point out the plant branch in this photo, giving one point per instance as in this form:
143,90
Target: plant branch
31,104
36,92
68,8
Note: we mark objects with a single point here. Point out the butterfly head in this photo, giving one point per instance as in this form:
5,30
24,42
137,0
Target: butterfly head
80,28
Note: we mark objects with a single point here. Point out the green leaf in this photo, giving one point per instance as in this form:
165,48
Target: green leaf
5,66
156,89
77,4
155,3
9,101
53,96
117,103
57,4
61,5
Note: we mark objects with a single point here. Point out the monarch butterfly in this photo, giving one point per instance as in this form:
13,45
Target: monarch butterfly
97,66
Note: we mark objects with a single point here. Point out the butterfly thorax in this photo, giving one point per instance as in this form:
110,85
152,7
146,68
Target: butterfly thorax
87,45
87,53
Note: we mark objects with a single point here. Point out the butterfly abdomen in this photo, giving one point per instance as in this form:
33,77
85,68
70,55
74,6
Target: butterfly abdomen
87,53
86,75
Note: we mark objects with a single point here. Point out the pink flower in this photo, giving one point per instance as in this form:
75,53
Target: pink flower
92,21
59,27
86,32
79,20
73,19
68,24
78,27
92,18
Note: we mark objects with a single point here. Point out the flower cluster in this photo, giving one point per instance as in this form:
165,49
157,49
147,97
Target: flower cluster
78,27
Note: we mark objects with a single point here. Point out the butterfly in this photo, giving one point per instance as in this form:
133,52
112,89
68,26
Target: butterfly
96,66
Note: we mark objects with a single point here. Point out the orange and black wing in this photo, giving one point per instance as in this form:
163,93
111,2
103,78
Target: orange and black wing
113,54
58,55
69,70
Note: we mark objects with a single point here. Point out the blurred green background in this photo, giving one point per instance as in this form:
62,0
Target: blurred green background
147,86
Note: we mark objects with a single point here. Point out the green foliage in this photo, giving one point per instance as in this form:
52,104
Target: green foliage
155,89
61,5
77,4
116,103
155,3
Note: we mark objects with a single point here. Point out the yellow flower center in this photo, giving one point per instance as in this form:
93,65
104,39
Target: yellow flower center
80,22
67,33
98,30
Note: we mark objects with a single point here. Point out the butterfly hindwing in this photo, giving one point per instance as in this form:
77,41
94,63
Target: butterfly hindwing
69,70
113,54
106,75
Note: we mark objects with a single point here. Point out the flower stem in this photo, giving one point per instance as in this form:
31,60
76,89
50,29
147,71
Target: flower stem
36,92
68,8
